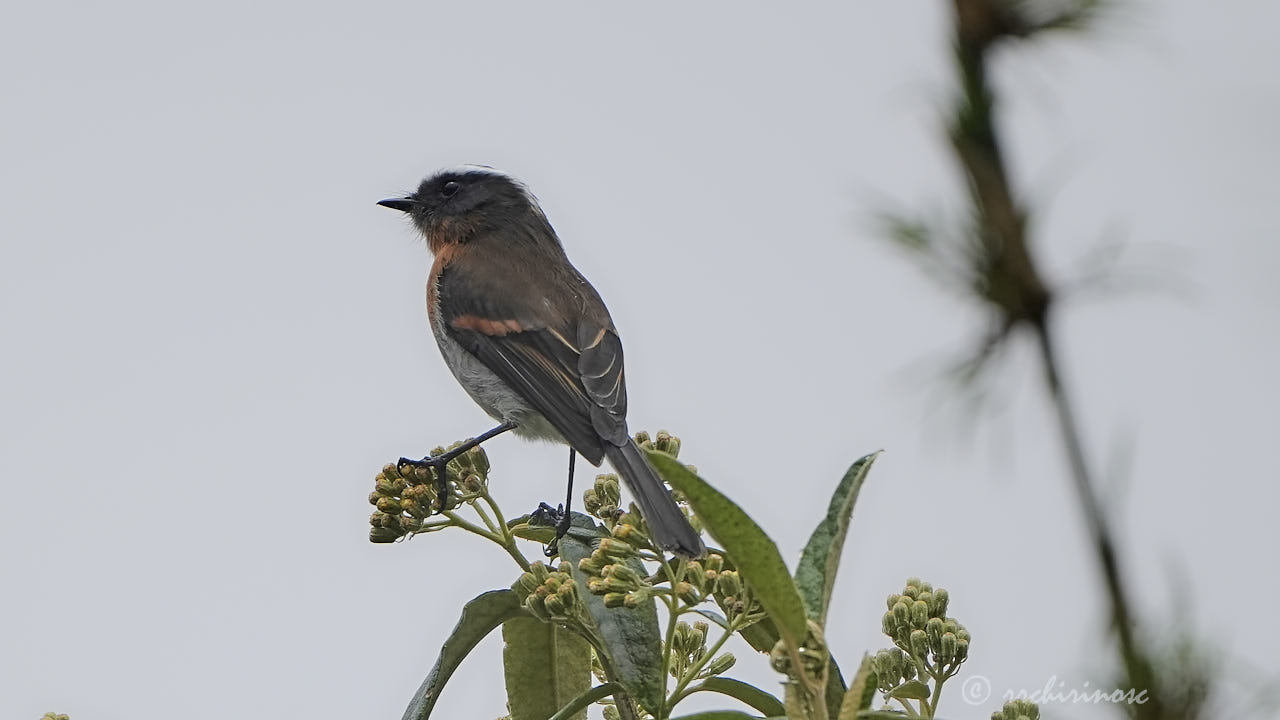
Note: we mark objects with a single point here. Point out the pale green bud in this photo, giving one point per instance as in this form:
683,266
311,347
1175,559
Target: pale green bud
948,653
938,604
933,629
919,643
555,607
901,614
524,585
715,563
919,614
383,535
728,583
666,443
686,592
615,549
1017,710
721,664
533,604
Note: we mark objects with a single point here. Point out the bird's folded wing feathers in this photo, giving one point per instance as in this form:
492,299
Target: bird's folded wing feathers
579,391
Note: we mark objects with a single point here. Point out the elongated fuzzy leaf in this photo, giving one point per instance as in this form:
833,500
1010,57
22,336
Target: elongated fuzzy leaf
862,691
546,667
816,573
583,701
835,687
747,694
764,635
726,715
753,552
479,618
542,530
632,638
911,690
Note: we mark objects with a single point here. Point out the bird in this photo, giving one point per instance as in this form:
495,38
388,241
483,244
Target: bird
528,337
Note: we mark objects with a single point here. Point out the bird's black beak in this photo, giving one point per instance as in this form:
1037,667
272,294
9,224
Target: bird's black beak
401,204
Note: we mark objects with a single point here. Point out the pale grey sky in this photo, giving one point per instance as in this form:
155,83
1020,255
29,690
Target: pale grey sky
214,338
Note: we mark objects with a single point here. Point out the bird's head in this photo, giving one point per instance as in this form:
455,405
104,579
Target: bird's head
454,205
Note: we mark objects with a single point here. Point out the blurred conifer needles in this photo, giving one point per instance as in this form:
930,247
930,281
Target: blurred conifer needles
989,257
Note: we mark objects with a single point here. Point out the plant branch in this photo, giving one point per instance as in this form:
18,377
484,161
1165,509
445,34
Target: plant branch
1006,276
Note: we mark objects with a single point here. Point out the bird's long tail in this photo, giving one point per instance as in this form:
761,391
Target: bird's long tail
667,524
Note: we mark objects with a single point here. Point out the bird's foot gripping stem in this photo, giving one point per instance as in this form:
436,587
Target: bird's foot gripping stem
547,515
438,465
440,462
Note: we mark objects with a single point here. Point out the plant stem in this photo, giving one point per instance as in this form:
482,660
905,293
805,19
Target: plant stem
508,540
1010,280
1138,668
672,614
598,692
692,673
487,522
457,520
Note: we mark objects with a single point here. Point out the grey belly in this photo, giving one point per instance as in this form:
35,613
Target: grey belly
493,395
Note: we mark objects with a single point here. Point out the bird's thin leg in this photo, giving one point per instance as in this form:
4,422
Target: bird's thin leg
562,526
439,462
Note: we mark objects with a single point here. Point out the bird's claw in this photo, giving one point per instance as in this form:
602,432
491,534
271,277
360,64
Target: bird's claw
404,462
547,515
438,464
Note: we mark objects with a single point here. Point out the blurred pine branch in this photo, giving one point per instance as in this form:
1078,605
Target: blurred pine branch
990,258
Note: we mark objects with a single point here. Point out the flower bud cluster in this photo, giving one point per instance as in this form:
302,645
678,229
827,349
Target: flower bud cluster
604,498
550,595
892,668
610,575
731,594
698,581
406,495
401,506
917,623
814,654
1017,710
689,649
662,442
688,646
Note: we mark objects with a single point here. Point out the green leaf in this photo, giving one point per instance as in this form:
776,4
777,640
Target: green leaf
861,692
911,690
528,527
835,688
753,552
479,618
631,636
546,667
881,715
747,694
726,715
816,573
581,702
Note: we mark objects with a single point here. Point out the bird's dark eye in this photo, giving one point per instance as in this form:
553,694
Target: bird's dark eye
450,188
